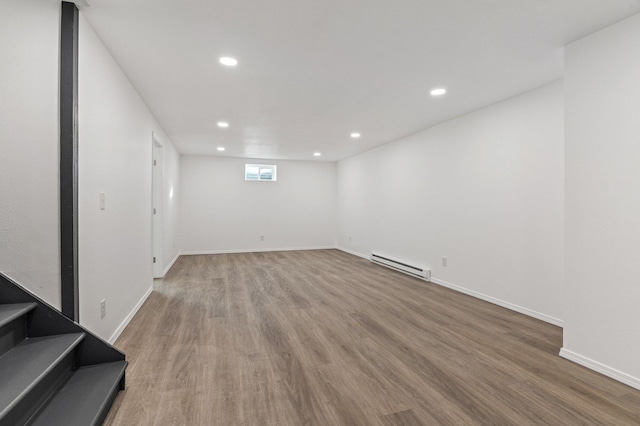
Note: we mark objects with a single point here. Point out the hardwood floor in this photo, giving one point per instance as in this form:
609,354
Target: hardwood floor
326,338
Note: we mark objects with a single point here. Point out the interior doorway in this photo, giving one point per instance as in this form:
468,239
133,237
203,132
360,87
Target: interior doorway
157,177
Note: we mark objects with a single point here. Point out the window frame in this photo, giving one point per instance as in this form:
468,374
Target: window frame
272,167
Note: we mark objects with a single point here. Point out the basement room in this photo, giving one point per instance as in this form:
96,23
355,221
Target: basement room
320,213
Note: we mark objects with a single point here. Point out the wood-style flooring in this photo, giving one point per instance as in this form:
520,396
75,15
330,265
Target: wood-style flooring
326,338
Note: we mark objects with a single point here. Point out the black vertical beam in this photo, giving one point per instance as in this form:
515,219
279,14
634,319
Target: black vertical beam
69,160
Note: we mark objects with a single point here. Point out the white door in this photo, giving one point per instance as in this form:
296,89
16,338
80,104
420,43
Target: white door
156,207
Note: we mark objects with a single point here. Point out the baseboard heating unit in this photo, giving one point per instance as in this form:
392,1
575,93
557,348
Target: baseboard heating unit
416,271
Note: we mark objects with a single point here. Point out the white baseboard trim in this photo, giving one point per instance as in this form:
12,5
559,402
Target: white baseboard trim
355,253
520,309
170,264
255,250
512,306
129,317
634,382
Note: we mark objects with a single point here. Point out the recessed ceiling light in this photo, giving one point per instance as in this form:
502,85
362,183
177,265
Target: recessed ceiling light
317,154
228,61
221,148
438,91
355,135
223,124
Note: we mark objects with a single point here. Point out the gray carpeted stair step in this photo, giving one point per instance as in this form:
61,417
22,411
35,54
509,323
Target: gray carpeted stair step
52,369
31,371
12,311
13,324
85,398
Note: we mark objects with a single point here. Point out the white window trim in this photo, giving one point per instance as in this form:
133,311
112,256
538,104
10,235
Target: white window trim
262,166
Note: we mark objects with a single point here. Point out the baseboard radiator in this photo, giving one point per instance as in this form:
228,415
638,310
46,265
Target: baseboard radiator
416,271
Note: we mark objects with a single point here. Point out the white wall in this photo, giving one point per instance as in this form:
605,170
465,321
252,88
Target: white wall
484,190
115,253
29,176
602,312
221,212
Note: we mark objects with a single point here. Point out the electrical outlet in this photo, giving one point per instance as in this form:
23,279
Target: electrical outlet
103,308
349,238
261,237
444,262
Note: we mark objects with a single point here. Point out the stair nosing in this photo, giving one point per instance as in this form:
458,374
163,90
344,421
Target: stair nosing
27,307
34,383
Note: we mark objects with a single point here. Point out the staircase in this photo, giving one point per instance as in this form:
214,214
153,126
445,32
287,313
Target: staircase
52,371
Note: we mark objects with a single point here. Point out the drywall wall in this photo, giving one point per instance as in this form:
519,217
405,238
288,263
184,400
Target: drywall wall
29,171
484,190
115,128
602,310
221,212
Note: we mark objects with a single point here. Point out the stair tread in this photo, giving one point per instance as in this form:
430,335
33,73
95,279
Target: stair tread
26,364
84,397
9,312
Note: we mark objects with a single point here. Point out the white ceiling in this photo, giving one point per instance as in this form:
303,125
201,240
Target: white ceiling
313,71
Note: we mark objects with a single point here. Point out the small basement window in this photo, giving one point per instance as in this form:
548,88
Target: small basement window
262,172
